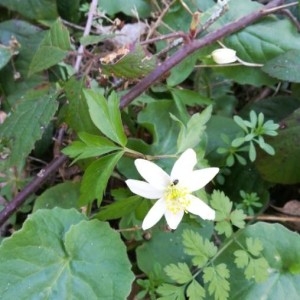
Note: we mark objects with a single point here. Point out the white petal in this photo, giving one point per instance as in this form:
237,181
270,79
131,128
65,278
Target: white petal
144,189
224,56
154,214
173,219
199,178
152,173
201,209
184,165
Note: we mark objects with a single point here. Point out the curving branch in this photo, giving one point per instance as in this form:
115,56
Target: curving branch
142,86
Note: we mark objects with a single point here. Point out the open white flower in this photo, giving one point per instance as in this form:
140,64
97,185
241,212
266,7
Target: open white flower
224,56
173,191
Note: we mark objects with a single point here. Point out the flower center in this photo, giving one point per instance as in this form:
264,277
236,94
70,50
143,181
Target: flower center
176,197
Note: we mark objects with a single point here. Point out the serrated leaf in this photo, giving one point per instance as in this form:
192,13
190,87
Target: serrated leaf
136,63
191,134
264,45
201,249
96,176
216,278
281,251
171,292
34,9
195,291
224,227
26,123
89,146
254,246
284,66
169,246
106,115
180,273
118,209
257,269
58,254
221,203
237,218
54,47
241,258
77,112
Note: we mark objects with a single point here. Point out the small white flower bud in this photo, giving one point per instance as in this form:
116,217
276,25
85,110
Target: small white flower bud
224,56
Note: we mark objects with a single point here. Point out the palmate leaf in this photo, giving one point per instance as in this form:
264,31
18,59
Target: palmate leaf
54,47
59,254
105,114
26,124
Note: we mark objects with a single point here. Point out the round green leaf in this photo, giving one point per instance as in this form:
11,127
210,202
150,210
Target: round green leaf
63,195
58,254
284,166
281,250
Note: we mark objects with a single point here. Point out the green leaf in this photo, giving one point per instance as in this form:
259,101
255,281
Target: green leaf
136,63
284,66
224,216
96,176
170,292
280,250
185,97
118,209
106,115
195,291
199,248
169,246
27,123
128,7
216,278
191,134
284,166
89,146
64,195
77,112
254,246
42,10
58,254
237,218
241,258
257,269
263,43
29,37
180,273
181,71
54,47
5,55
69,10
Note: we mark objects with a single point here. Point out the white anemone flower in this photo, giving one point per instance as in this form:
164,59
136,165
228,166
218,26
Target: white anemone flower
173,191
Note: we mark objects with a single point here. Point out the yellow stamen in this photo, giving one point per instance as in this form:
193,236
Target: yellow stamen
176,198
